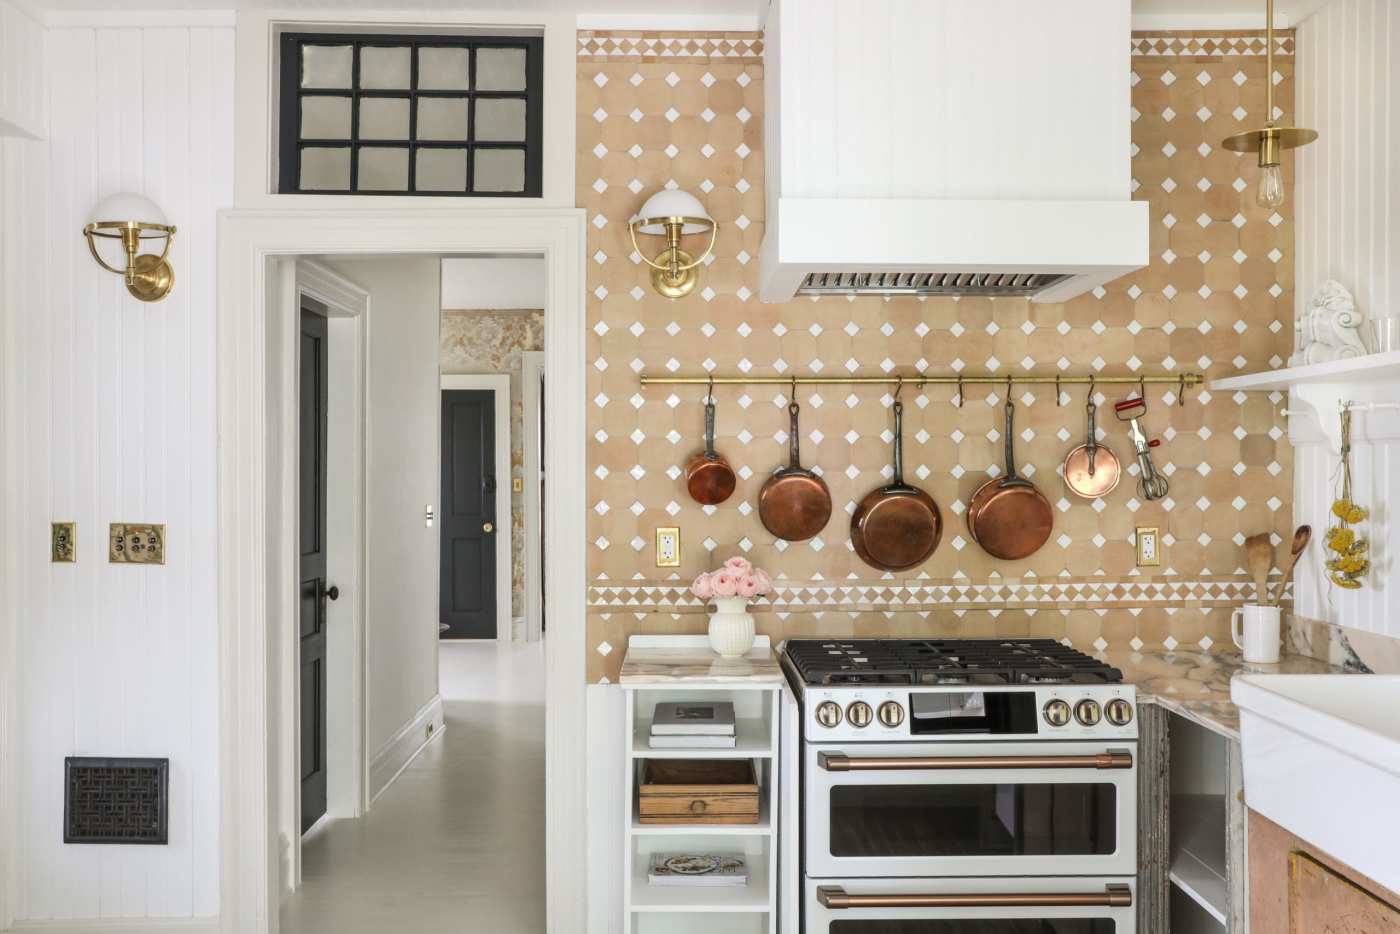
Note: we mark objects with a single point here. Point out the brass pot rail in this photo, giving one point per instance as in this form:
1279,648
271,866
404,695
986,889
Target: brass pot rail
837,762
1113,896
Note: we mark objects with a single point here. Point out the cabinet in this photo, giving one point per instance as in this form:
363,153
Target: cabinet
1206,830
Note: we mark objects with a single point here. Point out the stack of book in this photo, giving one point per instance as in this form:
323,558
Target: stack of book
697,869
693,725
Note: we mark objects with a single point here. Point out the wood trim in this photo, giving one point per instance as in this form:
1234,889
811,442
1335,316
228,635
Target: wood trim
399,752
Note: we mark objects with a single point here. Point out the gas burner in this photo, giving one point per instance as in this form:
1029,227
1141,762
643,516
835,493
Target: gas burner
944,662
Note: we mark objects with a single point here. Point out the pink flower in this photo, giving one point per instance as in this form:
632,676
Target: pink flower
747,586
724,583
703,587
738,566
764,582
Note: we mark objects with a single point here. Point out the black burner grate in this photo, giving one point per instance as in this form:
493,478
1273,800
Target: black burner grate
945,661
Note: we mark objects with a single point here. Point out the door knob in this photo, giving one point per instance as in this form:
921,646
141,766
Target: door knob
332,592
488,528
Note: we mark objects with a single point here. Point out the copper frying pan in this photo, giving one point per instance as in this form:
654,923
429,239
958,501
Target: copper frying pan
1091,470
794,503
898,526
708,477
1008,516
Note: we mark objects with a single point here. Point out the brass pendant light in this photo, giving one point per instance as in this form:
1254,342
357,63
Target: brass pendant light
1270,141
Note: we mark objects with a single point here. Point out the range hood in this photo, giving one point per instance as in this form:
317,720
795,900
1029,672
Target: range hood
948,147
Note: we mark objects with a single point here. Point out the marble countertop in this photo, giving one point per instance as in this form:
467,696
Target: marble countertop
679,662
1196,685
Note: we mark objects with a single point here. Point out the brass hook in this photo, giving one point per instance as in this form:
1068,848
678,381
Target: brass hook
898,386
1059,399
1091,387
1181,390
1008,388
960,390
710,393
793,396
1142,388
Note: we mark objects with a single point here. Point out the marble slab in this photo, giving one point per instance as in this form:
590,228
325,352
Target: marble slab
689,660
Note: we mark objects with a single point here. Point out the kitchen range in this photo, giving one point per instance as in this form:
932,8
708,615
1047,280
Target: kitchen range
966,785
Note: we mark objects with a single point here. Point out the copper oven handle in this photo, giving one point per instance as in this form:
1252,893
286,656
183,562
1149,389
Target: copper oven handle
1113,896
838,762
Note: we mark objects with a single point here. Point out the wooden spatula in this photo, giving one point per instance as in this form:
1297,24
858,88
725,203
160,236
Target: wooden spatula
1301,536
1259,558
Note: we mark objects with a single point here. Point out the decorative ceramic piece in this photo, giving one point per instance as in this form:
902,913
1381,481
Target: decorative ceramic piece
731,587
1330,327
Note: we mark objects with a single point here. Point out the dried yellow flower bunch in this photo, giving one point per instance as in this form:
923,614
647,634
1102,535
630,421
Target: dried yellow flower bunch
1349,553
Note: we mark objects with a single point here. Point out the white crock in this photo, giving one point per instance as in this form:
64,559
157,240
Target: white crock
731,627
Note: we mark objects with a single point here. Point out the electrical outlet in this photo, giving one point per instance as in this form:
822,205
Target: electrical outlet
668,548
136,543
63,542
1149,547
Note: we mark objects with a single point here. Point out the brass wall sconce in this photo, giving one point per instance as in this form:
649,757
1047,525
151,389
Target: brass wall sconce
672,213
129,219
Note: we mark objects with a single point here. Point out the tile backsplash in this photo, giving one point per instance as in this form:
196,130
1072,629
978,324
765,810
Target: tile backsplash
687,109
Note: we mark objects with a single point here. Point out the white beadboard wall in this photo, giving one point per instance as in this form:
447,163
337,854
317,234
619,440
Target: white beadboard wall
115,418
1348,229
21,71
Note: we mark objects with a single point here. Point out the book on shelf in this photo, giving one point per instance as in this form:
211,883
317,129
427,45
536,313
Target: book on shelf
693,718
697,869
691,742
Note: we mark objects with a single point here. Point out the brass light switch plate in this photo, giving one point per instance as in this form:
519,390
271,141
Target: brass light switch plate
668,548
1149,547
63,542
517,485
136,543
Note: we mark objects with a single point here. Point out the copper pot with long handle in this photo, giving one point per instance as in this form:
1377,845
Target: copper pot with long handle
1008,516
794,503
1091,469
897,526
708,477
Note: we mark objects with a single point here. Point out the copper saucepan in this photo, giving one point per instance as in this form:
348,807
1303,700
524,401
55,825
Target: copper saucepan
708,477
898,526
1091,470
794,503
1008,516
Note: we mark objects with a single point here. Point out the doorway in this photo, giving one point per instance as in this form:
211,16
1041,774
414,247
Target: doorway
313,405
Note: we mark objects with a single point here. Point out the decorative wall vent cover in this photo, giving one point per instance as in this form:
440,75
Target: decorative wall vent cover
116,800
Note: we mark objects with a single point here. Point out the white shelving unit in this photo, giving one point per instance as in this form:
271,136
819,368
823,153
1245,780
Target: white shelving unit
1376,367
752,909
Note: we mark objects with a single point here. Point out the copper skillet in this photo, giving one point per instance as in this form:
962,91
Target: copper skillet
898,526
794,503
1091,470
1008,516
708,477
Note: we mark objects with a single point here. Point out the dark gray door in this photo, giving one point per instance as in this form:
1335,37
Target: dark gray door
312,567
467,603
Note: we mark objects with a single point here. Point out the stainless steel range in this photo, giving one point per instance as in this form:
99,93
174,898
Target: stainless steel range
970,786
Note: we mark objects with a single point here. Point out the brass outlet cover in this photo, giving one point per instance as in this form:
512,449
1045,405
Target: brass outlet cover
517,485
63,542
136,543
1149,547
668,548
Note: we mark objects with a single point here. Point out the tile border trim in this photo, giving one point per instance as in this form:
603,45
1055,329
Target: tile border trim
1203,45
656,46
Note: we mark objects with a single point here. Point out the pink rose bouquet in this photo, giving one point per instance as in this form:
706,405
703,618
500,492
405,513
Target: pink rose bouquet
737,577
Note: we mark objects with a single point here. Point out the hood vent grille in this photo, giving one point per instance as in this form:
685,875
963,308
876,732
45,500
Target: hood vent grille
1007,284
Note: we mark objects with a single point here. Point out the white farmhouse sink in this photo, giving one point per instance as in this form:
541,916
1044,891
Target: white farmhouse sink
1322,759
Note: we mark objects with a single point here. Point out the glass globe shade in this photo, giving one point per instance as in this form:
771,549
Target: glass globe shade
672,202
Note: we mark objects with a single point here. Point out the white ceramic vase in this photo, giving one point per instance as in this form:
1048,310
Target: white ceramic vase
731,627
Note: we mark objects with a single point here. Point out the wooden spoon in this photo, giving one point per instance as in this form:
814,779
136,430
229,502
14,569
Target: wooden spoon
1259,558
1301,536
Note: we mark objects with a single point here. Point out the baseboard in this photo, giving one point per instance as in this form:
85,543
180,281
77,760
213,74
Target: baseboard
119,926
395,755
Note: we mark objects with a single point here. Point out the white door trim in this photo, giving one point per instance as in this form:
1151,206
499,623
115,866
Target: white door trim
253,387
499,385
531,372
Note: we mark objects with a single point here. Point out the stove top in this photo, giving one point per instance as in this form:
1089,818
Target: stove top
836,662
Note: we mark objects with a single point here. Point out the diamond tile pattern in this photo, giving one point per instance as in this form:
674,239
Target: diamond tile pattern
1220,283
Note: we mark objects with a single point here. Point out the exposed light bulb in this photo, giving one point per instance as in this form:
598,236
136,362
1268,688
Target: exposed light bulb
1270,191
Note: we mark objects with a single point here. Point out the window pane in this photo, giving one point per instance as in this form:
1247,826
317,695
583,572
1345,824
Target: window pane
500,120
442,118
442,170
384,67
500,69
499,170
383,118
324,169
325,118
326,66
442,69
383,169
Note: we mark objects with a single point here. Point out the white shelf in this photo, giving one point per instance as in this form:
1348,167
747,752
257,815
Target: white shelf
1198,851
762,828
1371,368
753,897
752,740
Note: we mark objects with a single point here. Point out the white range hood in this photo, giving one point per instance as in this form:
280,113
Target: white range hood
957,147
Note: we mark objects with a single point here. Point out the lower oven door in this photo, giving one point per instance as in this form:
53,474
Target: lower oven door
971,809
971,906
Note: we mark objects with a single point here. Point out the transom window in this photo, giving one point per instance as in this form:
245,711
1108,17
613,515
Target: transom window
418,115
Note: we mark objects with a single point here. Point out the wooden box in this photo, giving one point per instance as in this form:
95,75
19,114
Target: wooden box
698,791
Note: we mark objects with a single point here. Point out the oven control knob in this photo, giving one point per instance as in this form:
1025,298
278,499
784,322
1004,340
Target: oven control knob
891,714
1056,712
1118,711
859,714
829,713
1088,712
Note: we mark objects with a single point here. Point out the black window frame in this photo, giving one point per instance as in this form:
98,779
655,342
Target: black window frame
290,93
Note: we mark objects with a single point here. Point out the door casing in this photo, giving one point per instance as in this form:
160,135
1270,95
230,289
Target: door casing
499,385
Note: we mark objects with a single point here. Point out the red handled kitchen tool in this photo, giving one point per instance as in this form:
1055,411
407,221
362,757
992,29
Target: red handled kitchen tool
1151,484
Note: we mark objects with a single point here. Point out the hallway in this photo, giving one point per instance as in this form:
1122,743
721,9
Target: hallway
456,844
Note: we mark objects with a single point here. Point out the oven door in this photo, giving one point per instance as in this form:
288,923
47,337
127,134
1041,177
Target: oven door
971,906
971,809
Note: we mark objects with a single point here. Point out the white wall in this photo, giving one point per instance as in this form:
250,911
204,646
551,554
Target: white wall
404,471
21,73
112,418
498,283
